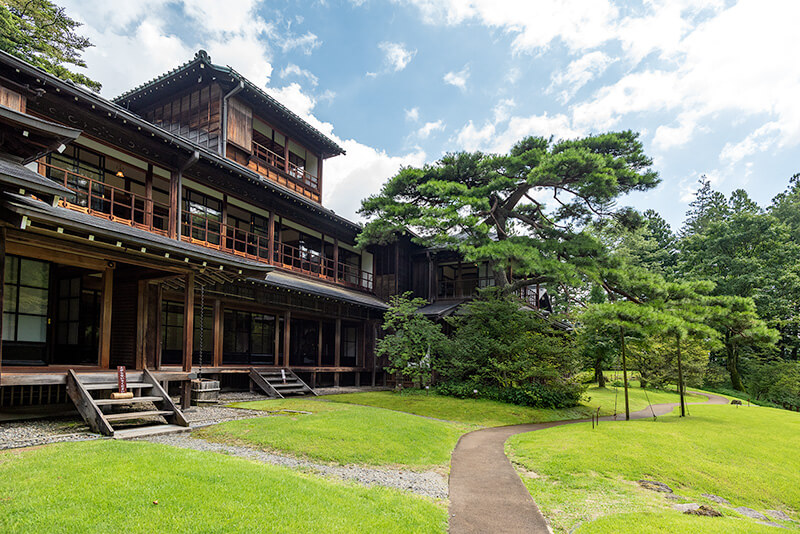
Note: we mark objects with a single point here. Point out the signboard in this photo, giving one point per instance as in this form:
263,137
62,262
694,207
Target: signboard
122,379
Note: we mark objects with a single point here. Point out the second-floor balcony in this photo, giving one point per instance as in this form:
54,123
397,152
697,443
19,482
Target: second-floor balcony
256,246
275,167
462,288
97,198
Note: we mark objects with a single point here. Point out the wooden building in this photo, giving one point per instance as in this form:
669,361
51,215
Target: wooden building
175,230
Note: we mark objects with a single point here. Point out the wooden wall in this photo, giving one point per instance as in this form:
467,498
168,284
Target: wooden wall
124,312
240,124
194,115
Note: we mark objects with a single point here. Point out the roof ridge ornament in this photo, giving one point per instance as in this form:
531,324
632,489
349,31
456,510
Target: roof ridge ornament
202,54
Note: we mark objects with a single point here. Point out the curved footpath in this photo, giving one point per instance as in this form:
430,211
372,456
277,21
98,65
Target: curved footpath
487,495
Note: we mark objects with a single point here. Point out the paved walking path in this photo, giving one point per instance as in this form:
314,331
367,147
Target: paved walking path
487,495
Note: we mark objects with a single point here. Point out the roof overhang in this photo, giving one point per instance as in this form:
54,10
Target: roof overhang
301,284
16,178
34,215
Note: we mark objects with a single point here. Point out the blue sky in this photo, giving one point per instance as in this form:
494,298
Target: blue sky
712,85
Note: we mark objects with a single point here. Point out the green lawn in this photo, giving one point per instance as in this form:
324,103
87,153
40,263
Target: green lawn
111,486
343,434
746,455
488,413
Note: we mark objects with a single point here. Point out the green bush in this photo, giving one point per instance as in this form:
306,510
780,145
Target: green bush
551,395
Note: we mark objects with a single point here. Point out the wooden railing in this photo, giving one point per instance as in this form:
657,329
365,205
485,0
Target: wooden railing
263,159
214,234
113,203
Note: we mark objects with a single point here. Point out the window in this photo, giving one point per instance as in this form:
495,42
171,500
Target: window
249,338
349,355
27,284
172,333
202,217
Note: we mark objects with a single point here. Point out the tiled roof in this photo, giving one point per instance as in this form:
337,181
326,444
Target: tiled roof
203,57
321,289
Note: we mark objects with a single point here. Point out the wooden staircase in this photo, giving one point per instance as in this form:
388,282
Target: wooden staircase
90,394
280,383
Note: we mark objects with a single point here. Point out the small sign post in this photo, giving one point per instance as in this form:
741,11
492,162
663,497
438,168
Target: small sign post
122,385
283,375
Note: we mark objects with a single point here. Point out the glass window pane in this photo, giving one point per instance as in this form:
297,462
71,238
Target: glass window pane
33,301
9,326
34,273
10,298
32,328
12,269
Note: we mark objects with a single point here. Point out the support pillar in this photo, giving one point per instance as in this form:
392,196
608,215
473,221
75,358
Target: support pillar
2,291
104,356
271,237
218,332
337,351
287,330
148,191
188,337
174,204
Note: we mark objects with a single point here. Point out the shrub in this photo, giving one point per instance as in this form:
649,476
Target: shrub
551,395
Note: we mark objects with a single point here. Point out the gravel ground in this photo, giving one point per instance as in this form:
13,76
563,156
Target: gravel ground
43,431
429,483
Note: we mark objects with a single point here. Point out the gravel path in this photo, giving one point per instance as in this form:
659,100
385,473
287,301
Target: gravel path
43,431
429,483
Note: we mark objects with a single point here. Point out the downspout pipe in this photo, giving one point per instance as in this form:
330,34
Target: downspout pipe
194,158
224,137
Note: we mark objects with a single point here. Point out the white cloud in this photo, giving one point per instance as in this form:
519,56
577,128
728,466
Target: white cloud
306,43
578,73
502,110
429,127
458,79
396,56
412,114
293,70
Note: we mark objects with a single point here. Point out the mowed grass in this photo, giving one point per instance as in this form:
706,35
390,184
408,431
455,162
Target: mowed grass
342,434
111,486
748,455
488,413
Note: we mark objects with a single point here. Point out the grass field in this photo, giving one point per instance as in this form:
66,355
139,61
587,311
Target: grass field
343,434
488,413
581,476
111,486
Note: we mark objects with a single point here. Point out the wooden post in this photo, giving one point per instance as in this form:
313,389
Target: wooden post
2,291
624,373
286,155
188,338
319,345
160,301
104,357
271,239
319,176
335,259
188,321
218,332
681,388
174,201
337,351
223,229
148,191
287,330
142,308
277,360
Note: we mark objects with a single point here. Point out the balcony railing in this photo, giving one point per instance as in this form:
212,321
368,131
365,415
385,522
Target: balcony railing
114,203
214,234
263,160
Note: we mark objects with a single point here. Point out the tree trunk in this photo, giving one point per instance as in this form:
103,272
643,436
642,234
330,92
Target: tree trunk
733,367
681,388
599,376
624,374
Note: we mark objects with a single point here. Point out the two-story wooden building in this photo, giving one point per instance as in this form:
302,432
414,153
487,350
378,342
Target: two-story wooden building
177,229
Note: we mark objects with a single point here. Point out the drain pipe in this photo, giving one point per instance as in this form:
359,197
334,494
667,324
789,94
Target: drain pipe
223,139
194,158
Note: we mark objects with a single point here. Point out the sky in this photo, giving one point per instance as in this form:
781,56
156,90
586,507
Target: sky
713,86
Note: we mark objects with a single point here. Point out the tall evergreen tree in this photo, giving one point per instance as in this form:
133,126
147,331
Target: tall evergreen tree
708,206
41,33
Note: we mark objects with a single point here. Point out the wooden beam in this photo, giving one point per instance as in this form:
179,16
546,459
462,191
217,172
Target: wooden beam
188,321
271,236
174,198
319,344
287,330
148,193
218,332
104,357
48,254
2,289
